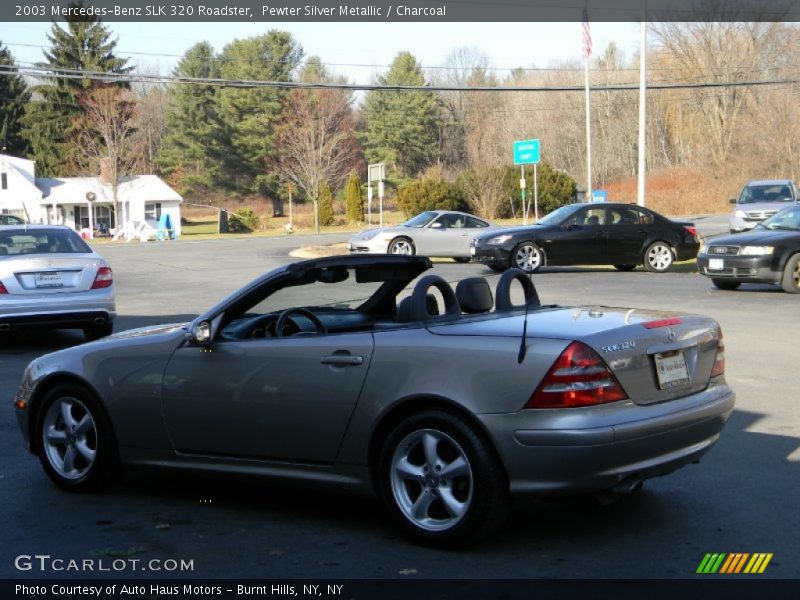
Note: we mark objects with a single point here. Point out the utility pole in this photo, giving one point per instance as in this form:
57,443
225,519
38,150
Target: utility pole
642,107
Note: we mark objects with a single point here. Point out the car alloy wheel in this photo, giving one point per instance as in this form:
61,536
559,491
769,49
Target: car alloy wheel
442,480
791,275
75,441
527,257
402,246
658,258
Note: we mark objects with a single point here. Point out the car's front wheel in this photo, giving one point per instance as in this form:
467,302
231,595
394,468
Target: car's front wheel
528,257
726,284
442,480
791,275
75,441
658,257
402,245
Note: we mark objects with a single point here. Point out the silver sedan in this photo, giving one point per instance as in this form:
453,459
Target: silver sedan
430,233
50,277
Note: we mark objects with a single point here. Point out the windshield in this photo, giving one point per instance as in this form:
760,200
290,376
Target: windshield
766,193
558,215
789,218
421,219
41,241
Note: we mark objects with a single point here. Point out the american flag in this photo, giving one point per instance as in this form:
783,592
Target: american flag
587,33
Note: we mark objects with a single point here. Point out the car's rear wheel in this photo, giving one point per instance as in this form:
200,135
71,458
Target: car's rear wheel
95,332
791,275
442,480
461,259
75,441
624,267
402,245
726,284
527,256
658,257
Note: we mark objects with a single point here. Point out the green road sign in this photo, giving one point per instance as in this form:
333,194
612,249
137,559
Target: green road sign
526,152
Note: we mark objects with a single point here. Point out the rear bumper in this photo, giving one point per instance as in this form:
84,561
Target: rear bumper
547,453
756,269
67,310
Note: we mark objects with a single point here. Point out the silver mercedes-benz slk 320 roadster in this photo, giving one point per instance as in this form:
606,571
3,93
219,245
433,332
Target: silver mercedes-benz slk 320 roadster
443,414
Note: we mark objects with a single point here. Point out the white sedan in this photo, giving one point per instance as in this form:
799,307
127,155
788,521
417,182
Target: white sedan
431,233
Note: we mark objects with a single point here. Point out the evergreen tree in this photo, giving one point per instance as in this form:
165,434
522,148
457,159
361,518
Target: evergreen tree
326,214
13,97
190,156
252,114
353,201
83,44
402,127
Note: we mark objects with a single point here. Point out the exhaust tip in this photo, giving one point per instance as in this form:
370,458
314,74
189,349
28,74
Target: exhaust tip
99,320
628,486
5,326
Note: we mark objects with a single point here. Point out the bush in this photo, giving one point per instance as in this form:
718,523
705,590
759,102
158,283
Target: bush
430,194
244,220
353,200
556,188
326,214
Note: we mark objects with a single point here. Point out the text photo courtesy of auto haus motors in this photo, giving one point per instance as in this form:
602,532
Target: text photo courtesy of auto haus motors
462,369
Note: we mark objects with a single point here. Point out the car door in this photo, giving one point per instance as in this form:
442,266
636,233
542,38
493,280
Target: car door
474,228
581,239
628,230
284,398
445,235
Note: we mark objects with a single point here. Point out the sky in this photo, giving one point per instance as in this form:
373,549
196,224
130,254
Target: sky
343,45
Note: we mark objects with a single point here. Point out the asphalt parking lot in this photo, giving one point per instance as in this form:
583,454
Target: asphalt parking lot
742,497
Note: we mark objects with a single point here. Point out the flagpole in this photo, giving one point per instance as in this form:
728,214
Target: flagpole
642,107
588,136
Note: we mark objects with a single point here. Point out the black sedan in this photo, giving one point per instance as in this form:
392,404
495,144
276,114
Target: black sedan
622,235
770,253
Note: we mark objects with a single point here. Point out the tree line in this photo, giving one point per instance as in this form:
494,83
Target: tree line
445,148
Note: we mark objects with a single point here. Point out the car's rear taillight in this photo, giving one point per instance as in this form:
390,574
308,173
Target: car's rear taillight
662,322
103,279
719,360
3,289
693,231
579,377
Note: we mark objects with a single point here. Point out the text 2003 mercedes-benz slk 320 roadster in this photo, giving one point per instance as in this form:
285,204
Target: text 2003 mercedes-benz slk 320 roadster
444,416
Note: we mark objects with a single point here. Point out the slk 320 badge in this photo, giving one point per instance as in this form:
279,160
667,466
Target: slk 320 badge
621,346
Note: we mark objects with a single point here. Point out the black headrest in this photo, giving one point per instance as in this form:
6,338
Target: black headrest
474,295
419,304
404,308
503,290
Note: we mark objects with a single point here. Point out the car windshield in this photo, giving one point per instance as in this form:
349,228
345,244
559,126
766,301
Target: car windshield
786,219
753,194
41,241
421,219
559,215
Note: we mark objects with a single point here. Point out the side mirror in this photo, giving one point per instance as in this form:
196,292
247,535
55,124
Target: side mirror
436,225
201,332
732,200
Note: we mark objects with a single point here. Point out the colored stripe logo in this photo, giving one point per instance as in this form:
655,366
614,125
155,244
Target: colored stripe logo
734,563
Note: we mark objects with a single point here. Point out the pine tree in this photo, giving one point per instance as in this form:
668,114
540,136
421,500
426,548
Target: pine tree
13,97
84,44
191,153
353,201
402,127
326,214
251,115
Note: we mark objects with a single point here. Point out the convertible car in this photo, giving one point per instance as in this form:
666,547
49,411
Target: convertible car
443,402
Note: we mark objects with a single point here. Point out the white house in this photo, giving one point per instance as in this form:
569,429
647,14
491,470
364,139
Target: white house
84,202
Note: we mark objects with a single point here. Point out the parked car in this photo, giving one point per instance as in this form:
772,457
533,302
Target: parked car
11,220
623,235
760,200
442,415
50,278
431,233
770,253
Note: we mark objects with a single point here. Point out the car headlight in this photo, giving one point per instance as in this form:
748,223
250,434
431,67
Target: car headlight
740,214
367,235
500,239
756,250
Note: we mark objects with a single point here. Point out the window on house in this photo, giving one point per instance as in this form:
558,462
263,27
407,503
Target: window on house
101,215
152,211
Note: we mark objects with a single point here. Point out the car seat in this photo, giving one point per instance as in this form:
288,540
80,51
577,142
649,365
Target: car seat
419,308
404,308
474,295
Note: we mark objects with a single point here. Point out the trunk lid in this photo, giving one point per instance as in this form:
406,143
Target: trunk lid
49,273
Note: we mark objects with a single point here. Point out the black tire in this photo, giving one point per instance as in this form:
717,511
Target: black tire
527,248
95,332
726,284
105,468
398,242
791,275
462,259
659,257
624,267
484,491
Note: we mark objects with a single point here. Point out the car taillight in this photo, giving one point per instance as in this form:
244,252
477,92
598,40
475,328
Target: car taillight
579,377
662,322
719,360
693,231
103,279
3,289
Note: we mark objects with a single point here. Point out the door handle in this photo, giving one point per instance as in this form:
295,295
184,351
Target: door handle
342,360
